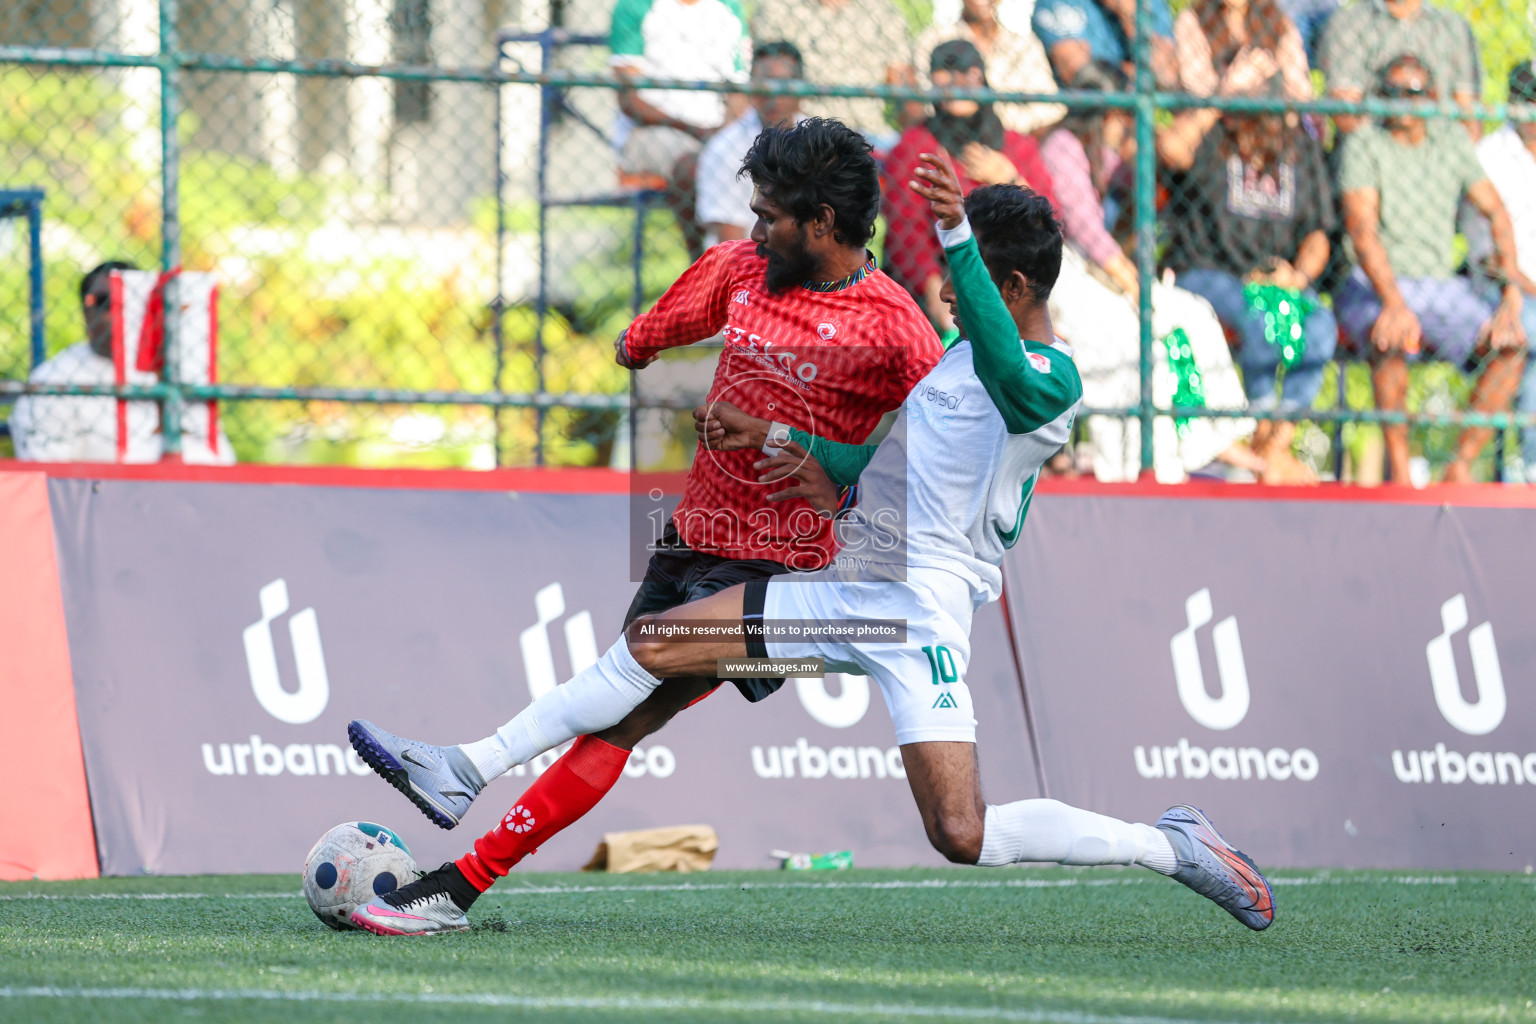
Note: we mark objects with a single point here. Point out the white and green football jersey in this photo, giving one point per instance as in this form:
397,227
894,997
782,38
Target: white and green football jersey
703,40
964,455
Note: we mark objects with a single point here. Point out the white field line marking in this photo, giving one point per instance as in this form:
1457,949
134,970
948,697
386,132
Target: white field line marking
108,896
833,1009
933,883
513,890
578,890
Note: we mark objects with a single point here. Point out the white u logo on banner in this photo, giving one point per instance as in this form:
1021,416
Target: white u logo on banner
539,656
261,659
839,712
1485,715
1219,712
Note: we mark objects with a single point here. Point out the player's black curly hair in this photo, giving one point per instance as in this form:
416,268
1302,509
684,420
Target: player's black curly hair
819,162
1016,229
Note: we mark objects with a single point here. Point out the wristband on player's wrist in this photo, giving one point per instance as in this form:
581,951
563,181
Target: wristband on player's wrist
951,237
776,438
847,500
622,344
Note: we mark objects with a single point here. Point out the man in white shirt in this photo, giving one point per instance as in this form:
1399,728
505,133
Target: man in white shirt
663,129
725,196
1508,157
57,428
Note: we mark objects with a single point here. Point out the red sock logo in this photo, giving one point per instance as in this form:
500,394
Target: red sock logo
519,820
569,789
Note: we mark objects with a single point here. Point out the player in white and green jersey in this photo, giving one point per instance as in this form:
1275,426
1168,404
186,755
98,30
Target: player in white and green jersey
943,497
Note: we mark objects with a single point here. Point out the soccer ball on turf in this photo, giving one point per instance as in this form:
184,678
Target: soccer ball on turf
350,865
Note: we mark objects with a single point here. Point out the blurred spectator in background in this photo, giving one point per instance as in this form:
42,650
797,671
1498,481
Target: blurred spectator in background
57,428
1094,307
1232,47
1402,186
1078,32
725,196
1363,38
697,40
1016,62
844,42
1084,156
1508,157
983,153
1252,205
1311,19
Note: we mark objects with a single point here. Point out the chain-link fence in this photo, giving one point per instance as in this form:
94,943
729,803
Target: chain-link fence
412,229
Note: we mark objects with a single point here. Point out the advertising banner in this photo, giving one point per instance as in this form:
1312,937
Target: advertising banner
1336,684
222,636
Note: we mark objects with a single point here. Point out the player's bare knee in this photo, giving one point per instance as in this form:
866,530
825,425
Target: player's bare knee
957,837
648,653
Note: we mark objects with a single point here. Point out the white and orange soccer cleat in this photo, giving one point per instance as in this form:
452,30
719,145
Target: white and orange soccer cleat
1216,869
425,907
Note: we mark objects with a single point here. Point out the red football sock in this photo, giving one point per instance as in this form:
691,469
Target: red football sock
570,788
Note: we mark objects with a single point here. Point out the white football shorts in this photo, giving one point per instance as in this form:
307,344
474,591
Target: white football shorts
922,678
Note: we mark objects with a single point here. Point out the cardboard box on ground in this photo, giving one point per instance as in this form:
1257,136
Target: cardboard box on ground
680,848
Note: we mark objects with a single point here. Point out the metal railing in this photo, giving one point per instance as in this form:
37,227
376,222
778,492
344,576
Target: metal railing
172,61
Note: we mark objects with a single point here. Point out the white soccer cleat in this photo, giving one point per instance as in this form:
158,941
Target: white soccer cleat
425,907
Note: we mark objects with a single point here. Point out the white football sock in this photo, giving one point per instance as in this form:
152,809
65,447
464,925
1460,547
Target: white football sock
1051,831
591,701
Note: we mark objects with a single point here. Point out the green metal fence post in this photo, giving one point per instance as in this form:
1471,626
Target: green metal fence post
170,220
1146,217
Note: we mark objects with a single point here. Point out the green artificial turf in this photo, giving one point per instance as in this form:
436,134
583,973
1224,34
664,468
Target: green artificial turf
1053,945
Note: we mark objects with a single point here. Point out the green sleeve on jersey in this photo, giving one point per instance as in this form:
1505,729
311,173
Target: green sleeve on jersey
843,462
1027,397
625,37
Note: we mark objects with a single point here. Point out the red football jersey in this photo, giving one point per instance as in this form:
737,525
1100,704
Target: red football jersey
829,362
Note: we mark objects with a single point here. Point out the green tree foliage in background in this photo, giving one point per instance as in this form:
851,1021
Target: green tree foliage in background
289,317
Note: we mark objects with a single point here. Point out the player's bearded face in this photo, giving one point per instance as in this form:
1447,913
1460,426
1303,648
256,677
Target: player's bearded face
790,262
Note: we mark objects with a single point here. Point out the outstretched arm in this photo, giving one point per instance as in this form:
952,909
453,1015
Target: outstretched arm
693,309
1028,390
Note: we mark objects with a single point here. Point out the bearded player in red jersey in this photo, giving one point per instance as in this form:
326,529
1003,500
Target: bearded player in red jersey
815,337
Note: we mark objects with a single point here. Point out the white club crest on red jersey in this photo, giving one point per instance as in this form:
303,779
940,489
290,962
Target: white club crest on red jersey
742,296
1038,361
827,329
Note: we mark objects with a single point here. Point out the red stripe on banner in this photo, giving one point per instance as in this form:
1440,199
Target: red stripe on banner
1018,670
119,359
45,818
151,358
1460,495
572,480
583,480
213,366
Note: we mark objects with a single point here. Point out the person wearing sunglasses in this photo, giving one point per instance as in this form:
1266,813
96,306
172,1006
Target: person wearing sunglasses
1402,184
1363,38
67,428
